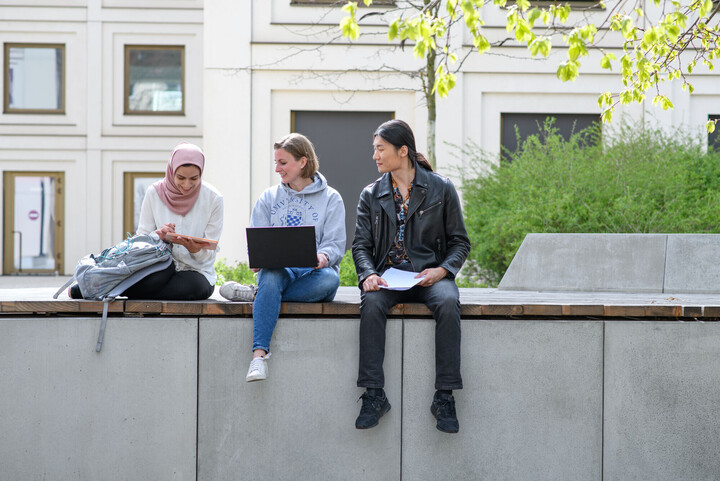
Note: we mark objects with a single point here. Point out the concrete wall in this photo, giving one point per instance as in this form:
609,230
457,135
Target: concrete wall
676,263
544,400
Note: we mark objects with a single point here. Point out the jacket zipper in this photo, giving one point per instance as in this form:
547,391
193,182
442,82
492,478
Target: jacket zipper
431,207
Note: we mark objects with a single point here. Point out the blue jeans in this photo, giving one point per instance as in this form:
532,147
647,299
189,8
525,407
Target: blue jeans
302,284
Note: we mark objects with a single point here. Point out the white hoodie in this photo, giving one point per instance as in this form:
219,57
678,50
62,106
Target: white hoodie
317,204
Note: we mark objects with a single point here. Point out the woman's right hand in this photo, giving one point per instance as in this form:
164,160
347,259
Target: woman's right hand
373,283
164,230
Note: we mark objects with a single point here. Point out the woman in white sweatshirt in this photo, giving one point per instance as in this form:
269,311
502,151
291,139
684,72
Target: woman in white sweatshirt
182,203
303,197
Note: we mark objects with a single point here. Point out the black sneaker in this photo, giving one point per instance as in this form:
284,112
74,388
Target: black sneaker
443,408
373,408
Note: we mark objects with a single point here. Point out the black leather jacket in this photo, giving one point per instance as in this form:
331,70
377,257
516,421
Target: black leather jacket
435,233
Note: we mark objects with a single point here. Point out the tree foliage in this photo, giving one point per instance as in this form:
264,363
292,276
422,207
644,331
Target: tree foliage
640,180
665,43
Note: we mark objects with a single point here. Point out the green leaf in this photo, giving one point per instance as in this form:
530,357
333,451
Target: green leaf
523,5
393,29
482,43
710,126
534,14
606,115
605,61
568,71
350,28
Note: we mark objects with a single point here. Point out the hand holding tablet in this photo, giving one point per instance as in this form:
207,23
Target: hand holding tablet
180,238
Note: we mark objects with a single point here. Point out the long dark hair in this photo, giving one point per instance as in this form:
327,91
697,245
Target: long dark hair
399,133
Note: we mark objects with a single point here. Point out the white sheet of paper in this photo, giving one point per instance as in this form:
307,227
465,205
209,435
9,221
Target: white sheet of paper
400,280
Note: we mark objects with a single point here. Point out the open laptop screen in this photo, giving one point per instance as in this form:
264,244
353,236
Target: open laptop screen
276,247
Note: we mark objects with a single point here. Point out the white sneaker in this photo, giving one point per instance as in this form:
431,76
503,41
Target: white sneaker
258,369
234,291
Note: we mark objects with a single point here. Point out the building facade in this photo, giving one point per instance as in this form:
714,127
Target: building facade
98,92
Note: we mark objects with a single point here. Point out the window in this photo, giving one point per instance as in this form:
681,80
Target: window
34,78
135,184
33,226
343,144
714,137
530,124
154,80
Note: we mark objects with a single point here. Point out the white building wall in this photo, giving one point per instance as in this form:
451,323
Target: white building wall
248,64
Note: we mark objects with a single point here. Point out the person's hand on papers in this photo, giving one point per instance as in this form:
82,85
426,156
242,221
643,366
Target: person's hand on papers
432,275
373,282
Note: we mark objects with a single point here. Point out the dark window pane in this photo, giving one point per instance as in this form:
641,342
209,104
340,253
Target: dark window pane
343,143
532,124
714,137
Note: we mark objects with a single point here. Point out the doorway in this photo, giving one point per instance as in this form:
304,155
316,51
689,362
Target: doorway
33,223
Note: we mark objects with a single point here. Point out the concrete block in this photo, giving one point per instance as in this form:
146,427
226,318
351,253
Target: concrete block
662,385
531,407
299,424
588,262
693,262
128,412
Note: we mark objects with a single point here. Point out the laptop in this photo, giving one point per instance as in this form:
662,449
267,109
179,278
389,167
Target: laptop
276,247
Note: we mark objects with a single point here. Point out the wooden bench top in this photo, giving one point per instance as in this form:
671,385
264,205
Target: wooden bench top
476,303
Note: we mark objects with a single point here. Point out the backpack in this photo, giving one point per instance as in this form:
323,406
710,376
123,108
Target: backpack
107,276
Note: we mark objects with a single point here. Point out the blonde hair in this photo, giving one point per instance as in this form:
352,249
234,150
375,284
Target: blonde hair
300,146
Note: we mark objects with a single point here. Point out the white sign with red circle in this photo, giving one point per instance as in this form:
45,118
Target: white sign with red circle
33,215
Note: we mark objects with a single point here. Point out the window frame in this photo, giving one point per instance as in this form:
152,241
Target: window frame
126,79
9,221
6,78
129,198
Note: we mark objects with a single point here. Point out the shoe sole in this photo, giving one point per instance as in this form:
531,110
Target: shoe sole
382,413
432,411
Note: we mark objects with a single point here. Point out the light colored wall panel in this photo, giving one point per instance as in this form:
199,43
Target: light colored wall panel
128,412
662,385
300,422
531,406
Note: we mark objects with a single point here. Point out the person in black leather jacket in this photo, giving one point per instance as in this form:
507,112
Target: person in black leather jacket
409,219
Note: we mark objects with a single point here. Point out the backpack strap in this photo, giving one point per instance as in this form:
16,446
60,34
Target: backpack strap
65,286
101,334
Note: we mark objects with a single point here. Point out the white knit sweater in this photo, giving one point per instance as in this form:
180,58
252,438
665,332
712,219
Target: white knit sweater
205,219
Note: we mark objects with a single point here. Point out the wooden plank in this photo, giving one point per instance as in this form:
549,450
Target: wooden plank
542,310
470,310
227,309
663,311
416,309
624,311
340,309
40,306
179,307
143,307
502,310
692,311
301,308
711,311
591,310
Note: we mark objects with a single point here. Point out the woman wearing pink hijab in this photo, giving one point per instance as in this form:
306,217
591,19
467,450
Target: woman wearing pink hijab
181,203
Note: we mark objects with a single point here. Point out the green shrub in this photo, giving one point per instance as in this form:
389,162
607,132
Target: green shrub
242,273
239,273
637,181
348,276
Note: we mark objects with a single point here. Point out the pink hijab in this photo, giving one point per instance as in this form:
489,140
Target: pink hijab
169,193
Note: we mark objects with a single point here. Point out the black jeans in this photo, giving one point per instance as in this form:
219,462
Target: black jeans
443,299
171,285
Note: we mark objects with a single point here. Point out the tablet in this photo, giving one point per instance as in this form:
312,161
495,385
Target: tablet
276,247
208,243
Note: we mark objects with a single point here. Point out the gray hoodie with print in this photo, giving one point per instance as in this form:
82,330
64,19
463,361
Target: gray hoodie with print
317,204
